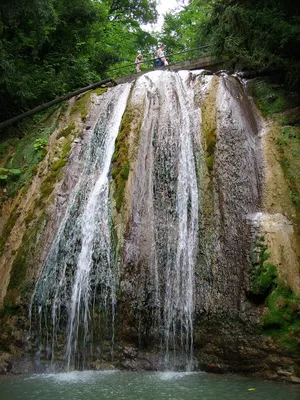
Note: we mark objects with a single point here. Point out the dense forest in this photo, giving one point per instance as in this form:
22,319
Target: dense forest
50,47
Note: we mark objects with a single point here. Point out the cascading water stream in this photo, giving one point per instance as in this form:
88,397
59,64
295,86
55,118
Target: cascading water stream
79,273
165,179
179,228
179,300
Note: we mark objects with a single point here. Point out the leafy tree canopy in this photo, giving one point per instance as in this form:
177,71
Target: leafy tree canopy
262,35
253,34
180,29
50,47
142,11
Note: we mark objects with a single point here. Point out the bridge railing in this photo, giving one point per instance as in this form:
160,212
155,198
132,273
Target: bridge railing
150,63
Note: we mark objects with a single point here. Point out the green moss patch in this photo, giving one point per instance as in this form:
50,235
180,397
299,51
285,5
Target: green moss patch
66,131
291,117
8,228
57,168
264,274
46,188
209,125
282,316
270,99
289,150
283,106
282,320
284,310
99,91
23,258
20,151
10,302
27,251
18,284
82,105
121,163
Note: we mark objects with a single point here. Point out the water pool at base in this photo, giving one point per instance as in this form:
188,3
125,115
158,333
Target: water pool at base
113,385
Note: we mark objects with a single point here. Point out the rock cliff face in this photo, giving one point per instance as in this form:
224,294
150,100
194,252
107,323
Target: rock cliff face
176,248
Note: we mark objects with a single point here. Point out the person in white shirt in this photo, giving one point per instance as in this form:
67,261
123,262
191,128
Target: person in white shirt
160,56
138,63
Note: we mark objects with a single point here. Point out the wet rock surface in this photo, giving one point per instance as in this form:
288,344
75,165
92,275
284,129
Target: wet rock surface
194,199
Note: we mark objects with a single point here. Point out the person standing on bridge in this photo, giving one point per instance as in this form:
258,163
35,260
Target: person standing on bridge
138,63
161,60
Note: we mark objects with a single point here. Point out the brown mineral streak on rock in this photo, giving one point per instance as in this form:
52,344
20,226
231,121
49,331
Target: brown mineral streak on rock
55,206
276,198
283,243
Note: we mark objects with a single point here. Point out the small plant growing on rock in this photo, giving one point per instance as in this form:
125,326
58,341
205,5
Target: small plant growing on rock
5,173
264,278
39,144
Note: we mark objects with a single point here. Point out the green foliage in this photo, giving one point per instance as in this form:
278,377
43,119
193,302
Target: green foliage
22,154
284,107
268,99
291,117
180,31
23,257
121,164
254,34
6,172
138,11
133,39
39,144
264,279
50,47
125,170
283,307
282,316
289,151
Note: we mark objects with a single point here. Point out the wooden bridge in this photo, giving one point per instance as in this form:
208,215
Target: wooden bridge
204,62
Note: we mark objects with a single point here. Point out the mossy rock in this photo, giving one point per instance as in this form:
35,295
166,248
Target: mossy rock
11,302
8,228
209,125
120,160
24,258
20,146
288,143
81,106
272,98
66,131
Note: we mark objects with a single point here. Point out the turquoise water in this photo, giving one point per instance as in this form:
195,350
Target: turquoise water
119,385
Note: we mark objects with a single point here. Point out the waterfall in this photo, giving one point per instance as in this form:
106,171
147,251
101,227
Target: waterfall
79,276
161,242
192,150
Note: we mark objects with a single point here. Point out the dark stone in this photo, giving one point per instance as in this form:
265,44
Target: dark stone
23,367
